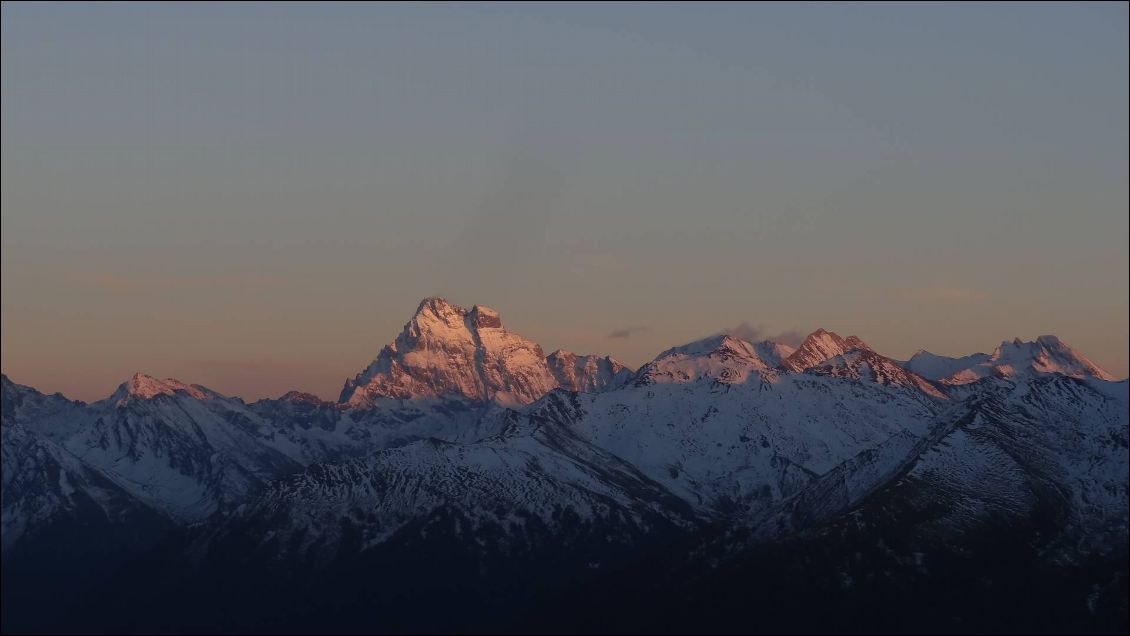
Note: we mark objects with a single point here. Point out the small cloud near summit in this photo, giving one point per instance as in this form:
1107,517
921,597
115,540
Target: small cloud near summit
628,332
751,333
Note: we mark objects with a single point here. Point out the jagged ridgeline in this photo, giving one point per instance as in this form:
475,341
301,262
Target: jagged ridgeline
467,481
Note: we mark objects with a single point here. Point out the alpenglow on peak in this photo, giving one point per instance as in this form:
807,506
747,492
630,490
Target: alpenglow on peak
448,350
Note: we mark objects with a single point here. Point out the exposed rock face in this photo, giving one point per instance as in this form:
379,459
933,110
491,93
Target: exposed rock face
819,346
485,318
586,374
449,350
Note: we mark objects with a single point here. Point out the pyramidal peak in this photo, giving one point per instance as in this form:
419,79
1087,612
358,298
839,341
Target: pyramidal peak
435,314
448,350
818,346
436,305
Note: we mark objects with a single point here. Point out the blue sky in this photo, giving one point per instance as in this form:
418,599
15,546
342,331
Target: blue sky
256,196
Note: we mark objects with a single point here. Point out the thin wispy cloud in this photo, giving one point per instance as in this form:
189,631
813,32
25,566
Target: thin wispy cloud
752,333
628,332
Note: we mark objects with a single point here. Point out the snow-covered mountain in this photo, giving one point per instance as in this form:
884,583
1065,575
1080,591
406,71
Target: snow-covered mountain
53,416
868,366
188,451
722,358
183,449
1012,452
1052,445
532,478
729,435
1047,354
461,425
722,423
449,350
935,367
57,510
587,374
46,488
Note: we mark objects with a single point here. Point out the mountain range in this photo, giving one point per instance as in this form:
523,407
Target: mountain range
467,481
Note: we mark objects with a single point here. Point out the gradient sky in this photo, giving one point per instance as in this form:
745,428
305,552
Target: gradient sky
256,197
